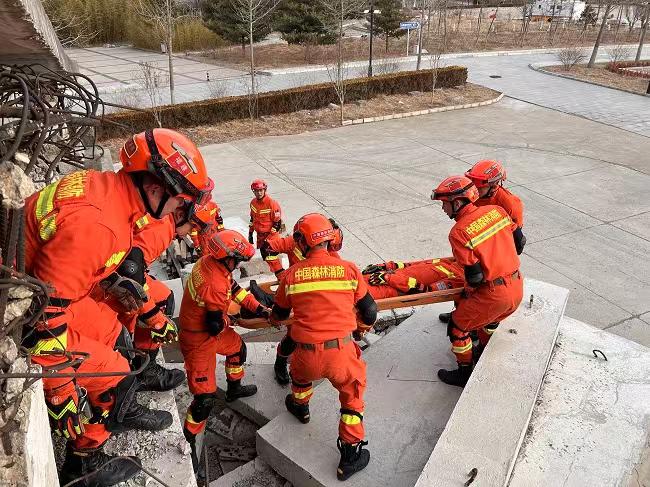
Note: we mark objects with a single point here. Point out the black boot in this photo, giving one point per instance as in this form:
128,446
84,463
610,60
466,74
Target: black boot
300,411
80,463
280,368
458,377
444,317
138,417
354,458
236,390
477,351
154,377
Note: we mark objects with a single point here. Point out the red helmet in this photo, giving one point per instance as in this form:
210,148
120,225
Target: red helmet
313,229
227,243
455,187
487,173
205,216
258,184
171,157
337,242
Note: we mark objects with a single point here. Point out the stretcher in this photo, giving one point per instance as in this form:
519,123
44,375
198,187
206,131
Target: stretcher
405,301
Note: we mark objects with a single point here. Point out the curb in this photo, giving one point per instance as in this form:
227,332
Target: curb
394,116
539,67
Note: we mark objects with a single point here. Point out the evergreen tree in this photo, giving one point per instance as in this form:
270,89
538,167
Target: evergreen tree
220,17
387,22
589,16
300,22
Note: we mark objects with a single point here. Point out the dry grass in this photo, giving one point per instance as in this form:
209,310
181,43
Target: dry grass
311,120
600,75
506,37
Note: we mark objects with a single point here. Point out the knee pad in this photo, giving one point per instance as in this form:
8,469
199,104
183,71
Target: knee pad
241,355
124,340
286,346
452,326
201,406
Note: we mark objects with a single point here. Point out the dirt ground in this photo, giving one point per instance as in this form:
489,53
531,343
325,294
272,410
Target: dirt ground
599,74
324,118
460,38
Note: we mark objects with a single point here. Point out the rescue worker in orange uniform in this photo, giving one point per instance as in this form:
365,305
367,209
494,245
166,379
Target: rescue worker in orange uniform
151,325
488,177
78,230
276,244
206,329
266,219
482,243
202,219
400,278
328,296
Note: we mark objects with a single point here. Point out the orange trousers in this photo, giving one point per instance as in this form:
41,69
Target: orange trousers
92,328
346,371
482,310
200,351
273,261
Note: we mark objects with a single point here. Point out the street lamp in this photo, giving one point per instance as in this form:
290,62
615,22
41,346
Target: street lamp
372,13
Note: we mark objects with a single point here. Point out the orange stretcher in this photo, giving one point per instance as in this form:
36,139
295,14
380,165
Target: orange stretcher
405,301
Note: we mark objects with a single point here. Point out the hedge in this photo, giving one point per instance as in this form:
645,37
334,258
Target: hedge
617,67
284,101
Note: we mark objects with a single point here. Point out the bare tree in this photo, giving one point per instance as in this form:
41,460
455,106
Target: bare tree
645,20
72,27
493,17
153,82
162,15
526,17
570,56
435,64
594,53
619,53
423,7
252,13
336,11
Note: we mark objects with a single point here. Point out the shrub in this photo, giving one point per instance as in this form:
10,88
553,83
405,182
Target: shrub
570,56
618,68
275,102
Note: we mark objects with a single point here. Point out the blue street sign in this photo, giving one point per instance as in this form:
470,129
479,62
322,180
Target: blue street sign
409,25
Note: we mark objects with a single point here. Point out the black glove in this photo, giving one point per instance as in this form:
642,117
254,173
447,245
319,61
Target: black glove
374,268
250,238
379,278
127,291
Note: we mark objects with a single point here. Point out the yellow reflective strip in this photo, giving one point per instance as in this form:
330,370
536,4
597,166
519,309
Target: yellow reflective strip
350,419
45,202
486,234
234,370
462,349
50,344
302,395
489,331
298,253
445,271
145,287
400,265
435,261
141,222
253,209
68,407
264,211
412,282
272,257
240,296
305,287
190,419
115,259
47,227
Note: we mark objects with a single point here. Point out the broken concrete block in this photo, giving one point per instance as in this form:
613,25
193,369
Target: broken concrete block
15,186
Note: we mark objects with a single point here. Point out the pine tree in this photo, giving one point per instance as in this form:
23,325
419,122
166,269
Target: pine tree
387,22
220,17
300,22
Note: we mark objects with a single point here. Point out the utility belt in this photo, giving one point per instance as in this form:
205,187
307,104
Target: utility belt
500,281
335,343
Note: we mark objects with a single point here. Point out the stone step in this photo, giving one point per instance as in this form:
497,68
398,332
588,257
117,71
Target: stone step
490,420
590,425
254,473
406,410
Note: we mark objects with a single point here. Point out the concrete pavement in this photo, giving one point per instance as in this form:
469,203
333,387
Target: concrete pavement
584,185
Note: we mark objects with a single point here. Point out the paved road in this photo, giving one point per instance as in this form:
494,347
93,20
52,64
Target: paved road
115,67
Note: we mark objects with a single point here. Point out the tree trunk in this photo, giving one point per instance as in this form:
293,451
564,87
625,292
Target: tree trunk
460,12
496,12
644,28
386,42
253,100
594,53
417,68
170,61
618,22
478,24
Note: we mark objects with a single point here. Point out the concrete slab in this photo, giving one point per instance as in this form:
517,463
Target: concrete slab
488,424
638,225
406,410
634,329
590,425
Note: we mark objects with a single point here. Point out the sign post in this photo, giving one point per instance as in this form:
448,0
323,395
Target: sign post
407,26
